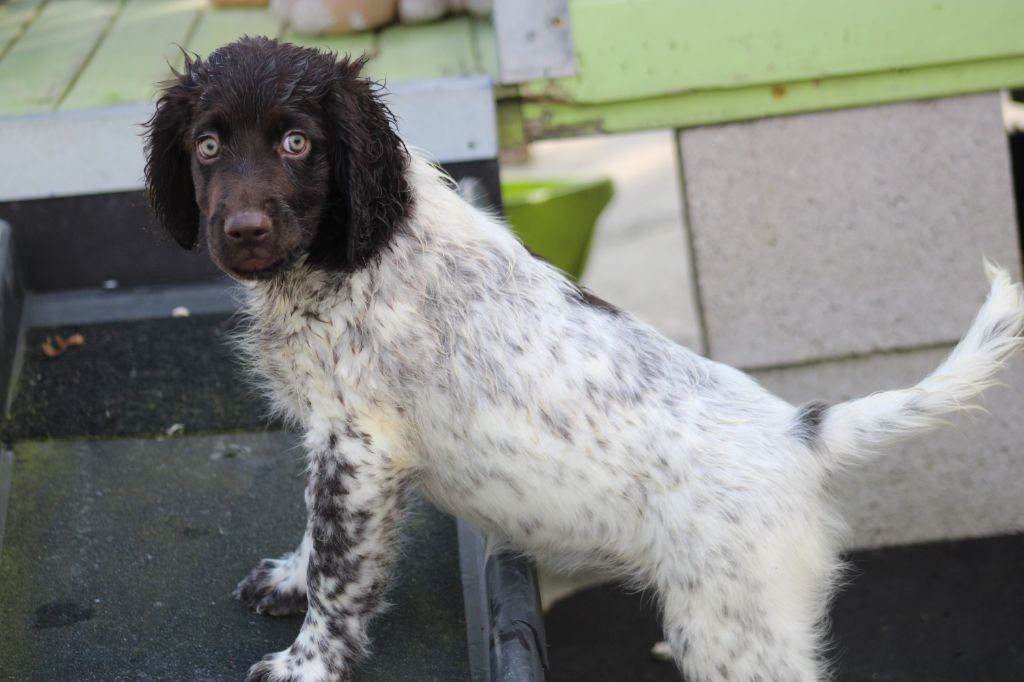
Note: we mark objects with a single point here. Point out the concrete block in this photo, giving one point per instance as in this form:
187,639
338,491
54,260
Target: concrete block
964,480
847,232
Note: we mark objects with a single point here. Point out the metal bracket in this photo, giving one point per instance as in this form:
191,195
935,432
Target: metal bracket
534,39
504,622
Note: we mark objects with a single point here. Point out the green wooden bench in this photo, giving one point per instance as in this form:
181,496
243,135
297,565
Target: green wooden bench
640,65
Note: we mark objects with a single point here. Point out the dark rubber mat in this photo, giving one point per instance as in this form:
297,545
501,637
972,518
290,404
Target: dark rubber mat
119,559
135,378
941,612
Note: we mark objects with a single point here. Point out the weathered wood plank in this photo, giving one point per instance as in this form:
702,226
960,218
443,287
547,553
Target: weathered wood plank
485,45
220,26
646,48
435,50
47,58
555,119
353,44
15,17
135,53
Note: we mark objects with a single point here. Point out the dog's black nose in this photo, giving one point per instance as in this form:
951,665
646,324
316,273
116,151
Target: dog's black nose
252,226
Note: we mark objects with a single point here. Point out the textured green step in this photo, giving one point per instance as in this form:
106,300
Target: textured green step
135,378
119,559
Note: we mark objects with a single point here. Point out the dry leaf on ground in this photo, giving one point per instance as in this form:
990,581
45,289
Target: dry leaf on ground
57,345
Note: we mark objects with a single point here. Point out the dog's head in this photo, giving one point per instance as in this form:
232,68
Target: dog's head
281,152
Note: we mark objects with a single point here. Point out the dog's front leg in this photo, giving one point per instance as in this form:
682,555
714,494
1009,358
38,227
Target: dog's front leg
355,512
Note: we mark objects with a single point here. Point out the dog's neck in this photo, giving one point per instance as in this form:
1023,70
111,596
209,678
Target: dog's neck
298,290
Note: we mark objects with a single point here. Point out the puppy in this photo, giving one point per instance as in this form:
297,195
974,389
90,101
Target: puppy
419,347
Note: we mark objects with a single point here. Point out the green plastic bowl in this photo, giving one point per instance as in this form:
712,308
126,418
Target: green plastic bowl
556,218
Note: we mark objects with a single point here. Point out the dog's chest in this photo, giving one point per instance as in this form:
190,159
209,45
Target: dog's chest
317,361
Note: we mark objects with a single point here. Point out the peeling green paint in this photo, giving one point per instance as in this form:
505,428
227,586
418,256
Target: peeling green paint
546,119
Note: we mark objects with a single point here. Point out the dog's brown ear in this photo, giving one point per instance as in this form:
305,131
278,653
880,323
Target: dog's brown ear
168,169
369,194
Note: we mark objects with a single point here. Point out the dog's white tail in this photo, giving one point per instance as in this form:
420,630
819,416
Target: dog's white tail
859,428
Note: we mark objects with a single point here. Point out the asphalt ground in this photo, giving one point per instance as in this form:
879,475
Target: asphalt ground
938,612
943,611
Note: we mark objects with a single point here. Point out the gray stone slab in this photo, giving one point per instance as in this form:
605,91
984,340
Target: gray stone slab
964,480
119,559
843,232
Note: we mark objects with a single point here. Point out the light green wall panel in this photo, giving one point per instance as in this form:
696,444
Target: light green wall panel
553,119
117,72
643,48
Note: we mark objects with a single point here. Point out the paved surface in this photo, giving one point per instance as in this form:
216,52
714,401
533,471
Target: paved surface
943,612
120,557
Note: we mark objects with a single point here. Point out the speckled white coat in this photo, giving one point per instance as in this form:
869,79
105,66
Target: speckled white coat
458,365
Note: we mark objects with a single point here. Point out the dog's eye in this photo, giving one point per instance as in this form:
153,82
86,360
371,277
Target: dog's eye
208,147
295,143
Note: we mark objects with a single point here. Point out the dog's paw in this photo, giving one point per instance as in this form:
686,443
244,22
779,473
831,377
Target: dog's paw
285,666
265,672
273,588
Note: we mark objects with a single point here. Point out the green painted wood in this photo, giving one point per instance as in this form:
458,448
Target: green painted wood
15,16
643,63
220,26
632,49
553,119
48,56
116,74
353,44
435,50
485,45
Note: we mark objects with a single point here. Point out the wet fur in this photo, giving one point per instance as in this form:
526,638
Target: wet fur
419,347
